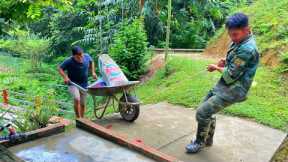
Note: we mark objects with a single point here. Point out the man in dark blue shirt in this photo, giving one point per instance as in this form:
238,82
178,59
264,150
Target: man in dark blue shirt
77,67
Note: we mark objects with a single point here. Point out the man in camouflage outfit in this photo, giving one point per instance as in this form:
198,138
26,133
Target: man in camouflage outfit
238,70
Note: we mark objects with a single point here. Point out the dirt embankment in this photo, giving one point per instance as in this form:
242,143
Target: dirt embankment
156,63
214,51
219,48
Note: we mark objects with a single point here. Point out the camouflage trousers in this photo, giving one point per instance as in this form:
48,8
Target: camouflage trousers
211,105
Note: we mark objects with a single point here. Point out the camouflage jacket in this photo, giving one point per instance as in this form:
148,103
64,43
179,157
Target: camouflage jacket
241,64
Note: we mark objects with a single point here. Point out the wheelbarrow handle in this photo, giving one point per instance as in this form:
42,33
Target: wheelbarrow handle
78,86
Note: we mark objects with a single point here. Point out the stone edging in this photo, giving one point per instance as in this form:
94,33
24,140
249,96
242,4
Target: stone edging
135,145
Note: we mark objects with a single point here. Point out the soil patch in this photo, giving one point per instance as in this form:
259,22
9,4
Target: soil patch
156,63
218,48
270,58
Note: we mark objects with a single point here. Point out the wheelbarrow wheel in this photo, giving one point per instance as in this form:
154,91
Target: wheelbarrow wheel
131,110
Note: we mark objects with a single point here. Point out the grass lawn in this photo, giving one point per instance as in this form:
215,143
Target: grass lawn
21,77
18,76
189,83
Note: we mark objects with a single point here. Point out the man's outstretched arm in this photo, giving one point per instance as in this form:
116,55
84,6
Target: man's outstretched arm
63,74
213,67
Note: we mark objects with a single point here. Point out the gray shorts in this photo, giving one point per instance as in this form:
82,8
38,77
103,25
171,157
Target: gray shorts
77,94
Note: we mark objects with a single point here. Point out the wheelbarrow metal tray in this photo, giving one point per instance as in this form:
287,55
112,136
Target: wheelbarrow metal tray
110,90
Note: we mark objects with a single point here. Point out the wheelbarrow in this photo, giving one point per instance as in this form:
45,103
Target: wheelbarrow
127,104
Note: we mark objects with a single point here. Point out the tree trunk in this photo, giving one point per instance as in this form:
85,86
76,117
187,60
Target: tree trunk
141,3
168,34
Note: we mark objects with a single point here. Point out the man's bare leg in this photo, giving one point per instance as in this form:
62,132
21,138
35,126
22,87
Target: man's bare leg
82,110
77,108
82,104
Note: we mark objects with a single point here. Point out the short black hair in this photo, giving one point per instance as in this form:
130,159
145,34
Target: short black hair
76,50
236,21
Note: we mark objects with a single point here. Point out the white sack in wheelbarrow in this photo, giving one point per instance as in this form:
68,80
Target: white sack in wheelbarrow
110,71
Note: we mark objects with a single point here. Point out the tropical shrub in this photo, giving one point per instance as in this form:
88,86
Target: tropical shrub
62,31
193,22
37,115
284,61
104,20
129,48
3,27
25,11
42,26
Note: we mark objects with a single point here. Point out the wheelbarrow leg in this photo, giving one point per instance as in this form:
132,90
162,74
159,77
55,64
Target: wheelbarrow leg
97,109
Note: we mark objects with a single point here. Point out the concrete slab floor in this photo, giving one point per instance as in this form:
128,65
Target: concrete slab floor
75,146
169,128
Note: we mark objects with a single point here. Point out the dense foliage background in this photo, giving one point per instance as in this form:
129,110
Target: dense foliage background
45,30
93,24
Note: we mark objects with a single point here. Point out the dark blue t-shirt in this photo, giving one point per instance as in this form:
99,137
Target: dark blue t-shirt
77,72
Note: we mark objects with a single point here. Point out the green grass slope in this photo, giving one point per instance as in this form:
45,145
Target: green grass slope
268,19
189,83
270,24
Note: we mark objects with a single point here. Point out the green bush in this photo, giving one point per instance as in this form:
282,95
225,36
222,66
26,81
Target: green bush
284,60
63,33
37,115
129,48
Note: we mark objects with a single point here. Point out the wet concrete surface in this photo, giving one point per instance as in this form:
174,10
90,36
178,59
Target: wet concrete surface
169,128
75,146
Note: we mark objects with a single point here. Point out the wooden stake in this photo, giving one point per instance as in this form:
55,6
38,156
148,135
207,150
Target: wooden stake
5,96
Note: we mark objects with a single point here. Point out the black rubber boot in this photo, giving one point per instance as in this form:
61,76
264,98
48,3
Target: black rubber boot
209,140
199,143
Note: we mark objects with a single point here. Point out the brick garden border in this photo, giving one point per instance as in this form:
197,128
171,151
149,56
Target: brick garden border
96,129
135,145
